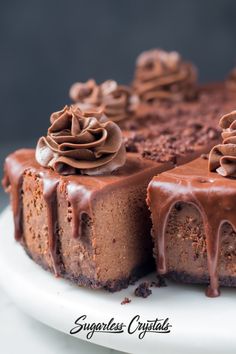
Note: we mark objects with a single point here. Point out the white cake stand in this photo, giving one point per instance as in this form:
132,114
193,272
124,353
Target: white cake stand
199,324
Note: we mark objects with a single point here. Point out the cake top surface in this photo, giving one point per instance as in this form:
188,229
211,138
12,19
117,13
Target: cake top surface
135,169
169,131
195,175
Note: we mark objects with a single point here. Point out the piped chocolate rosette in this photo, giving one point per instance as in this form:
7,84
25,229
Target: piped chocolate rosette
117,101
231,81
81,142
222,158
161,75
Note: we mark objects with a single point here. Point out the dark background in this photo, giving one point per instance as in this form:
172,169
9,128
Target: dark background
46,45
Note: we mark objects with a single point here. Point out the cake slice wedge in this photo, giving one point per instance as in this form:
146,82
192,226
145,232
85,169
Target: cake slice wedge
193,210
93,230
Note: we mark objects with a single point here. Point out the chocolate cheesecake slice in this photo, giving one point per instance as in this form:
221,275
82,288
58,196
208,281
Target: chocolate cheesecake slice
194,217
93,230
79,204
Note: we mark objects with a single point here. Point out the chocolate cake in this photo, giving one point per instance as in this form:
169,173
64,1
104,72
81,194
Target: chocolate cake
79,199
92,229
194,216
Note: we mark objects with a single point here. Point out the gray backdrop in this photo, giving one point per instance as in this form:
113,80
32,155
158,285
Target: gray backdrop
46,45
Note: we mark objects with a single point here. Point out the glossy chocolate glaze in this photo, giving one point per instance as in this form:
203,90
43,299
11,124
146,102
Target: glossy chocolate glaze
16,165
80,190
213,195
12,182
50,197
78,197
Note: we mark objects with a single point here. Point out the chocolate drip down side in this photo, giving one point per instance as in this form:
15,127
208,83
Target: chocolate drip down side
17,164
163,195
12,182
50,197
79,198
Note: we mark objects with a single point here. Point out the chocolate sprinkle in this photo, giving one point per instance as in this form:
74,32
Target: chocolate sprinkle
168,133
125,301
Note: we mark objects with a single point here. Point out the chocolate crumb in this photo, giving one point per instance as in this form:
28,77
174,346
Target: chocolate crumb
143,290
205,156
173,131
125,301
159,283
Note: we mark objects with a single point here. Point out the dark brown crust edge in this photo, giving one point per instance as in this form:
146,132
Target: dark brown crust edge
110,285
184,277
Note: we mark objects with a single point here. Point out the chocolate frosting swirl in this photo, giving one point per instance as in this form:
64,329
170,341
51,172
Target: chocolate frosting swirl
81,142
231,80
222,158
86,92
164,75
117,101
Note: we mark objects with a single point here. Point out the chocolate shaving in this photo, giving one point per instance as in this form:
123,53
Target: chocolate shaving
168,134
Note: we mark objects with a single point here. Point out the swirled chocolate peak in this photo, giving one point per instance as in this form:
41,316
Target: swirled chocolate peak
161,75
222,158
117,101
231,80
81,142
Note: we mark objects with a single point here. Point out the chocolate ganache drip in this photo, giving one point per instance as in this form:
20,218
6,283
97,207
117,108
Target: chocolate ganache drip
212,195
161,75
118,102
22,163
12,183
222,158
77,143
81,142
